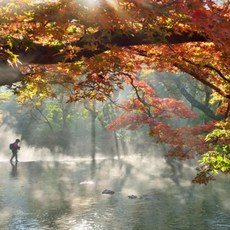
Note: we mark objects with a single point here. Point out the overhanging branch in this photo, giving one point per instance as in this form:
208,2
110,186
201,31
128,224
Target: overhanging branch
102,40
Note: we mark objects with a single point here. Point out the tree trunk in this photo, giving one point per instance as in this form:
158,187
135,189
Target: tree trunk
93,133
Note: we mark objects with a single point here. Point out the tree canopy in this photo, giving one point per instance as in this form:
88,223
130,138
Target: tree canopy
94,47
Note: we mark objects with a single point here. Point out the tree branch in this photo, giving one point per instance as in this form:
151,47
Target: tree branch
193,101
9,75
205,82
103,41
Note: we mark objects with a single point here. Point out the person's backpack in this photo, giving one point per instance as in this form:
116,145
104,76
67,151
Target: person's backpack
11,146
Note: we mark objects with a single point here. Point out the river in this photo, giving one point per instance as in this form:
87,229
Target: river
150,194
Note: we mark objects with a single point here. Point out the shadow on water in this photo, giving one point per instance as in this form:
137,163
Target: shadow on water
68,195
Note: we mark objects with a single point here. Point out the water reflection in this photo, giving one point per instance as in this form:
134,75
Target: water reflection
68,195
14,171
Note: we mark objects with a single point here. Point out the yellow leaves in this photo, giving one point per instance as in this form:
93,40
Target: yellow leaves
10,44
12,58
165,21
73,29
92,30
130,65
38,103
180,28
216,98
36,88
224,125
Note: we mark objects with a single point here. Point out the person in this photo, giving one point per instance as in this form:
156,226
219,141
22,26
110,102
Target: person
14,149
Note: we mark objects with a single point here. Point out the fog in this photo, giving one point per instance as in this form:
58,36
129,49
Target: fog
68,195
57,131
68,157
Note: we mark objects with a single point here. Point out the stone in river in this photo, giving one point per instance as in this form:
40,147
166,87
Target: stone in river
107,191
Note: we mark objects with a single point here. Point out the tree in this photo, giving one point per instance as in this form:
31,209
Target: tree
95,49
181,86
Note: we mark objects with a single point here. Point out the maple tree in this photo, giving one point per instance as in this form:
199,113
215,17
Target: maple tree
95,49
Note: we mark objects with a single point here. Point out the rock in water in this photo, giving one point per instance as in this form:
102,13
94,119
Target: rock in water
107,191
132,197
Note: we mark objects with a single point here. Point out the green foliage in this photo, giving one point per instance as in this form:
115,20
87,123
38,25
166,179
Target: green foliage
218,158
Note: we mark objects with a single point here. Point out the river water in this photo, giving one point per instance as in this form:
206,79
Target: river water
68,195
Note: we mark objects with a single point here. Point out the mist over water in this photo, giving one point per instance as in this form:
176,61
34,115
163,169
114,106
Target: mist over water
67,194
55,190
57,185
80,144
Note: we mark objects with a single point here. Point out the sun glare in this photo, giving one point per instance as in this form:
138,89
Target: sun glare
113,4
95,3
92,3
